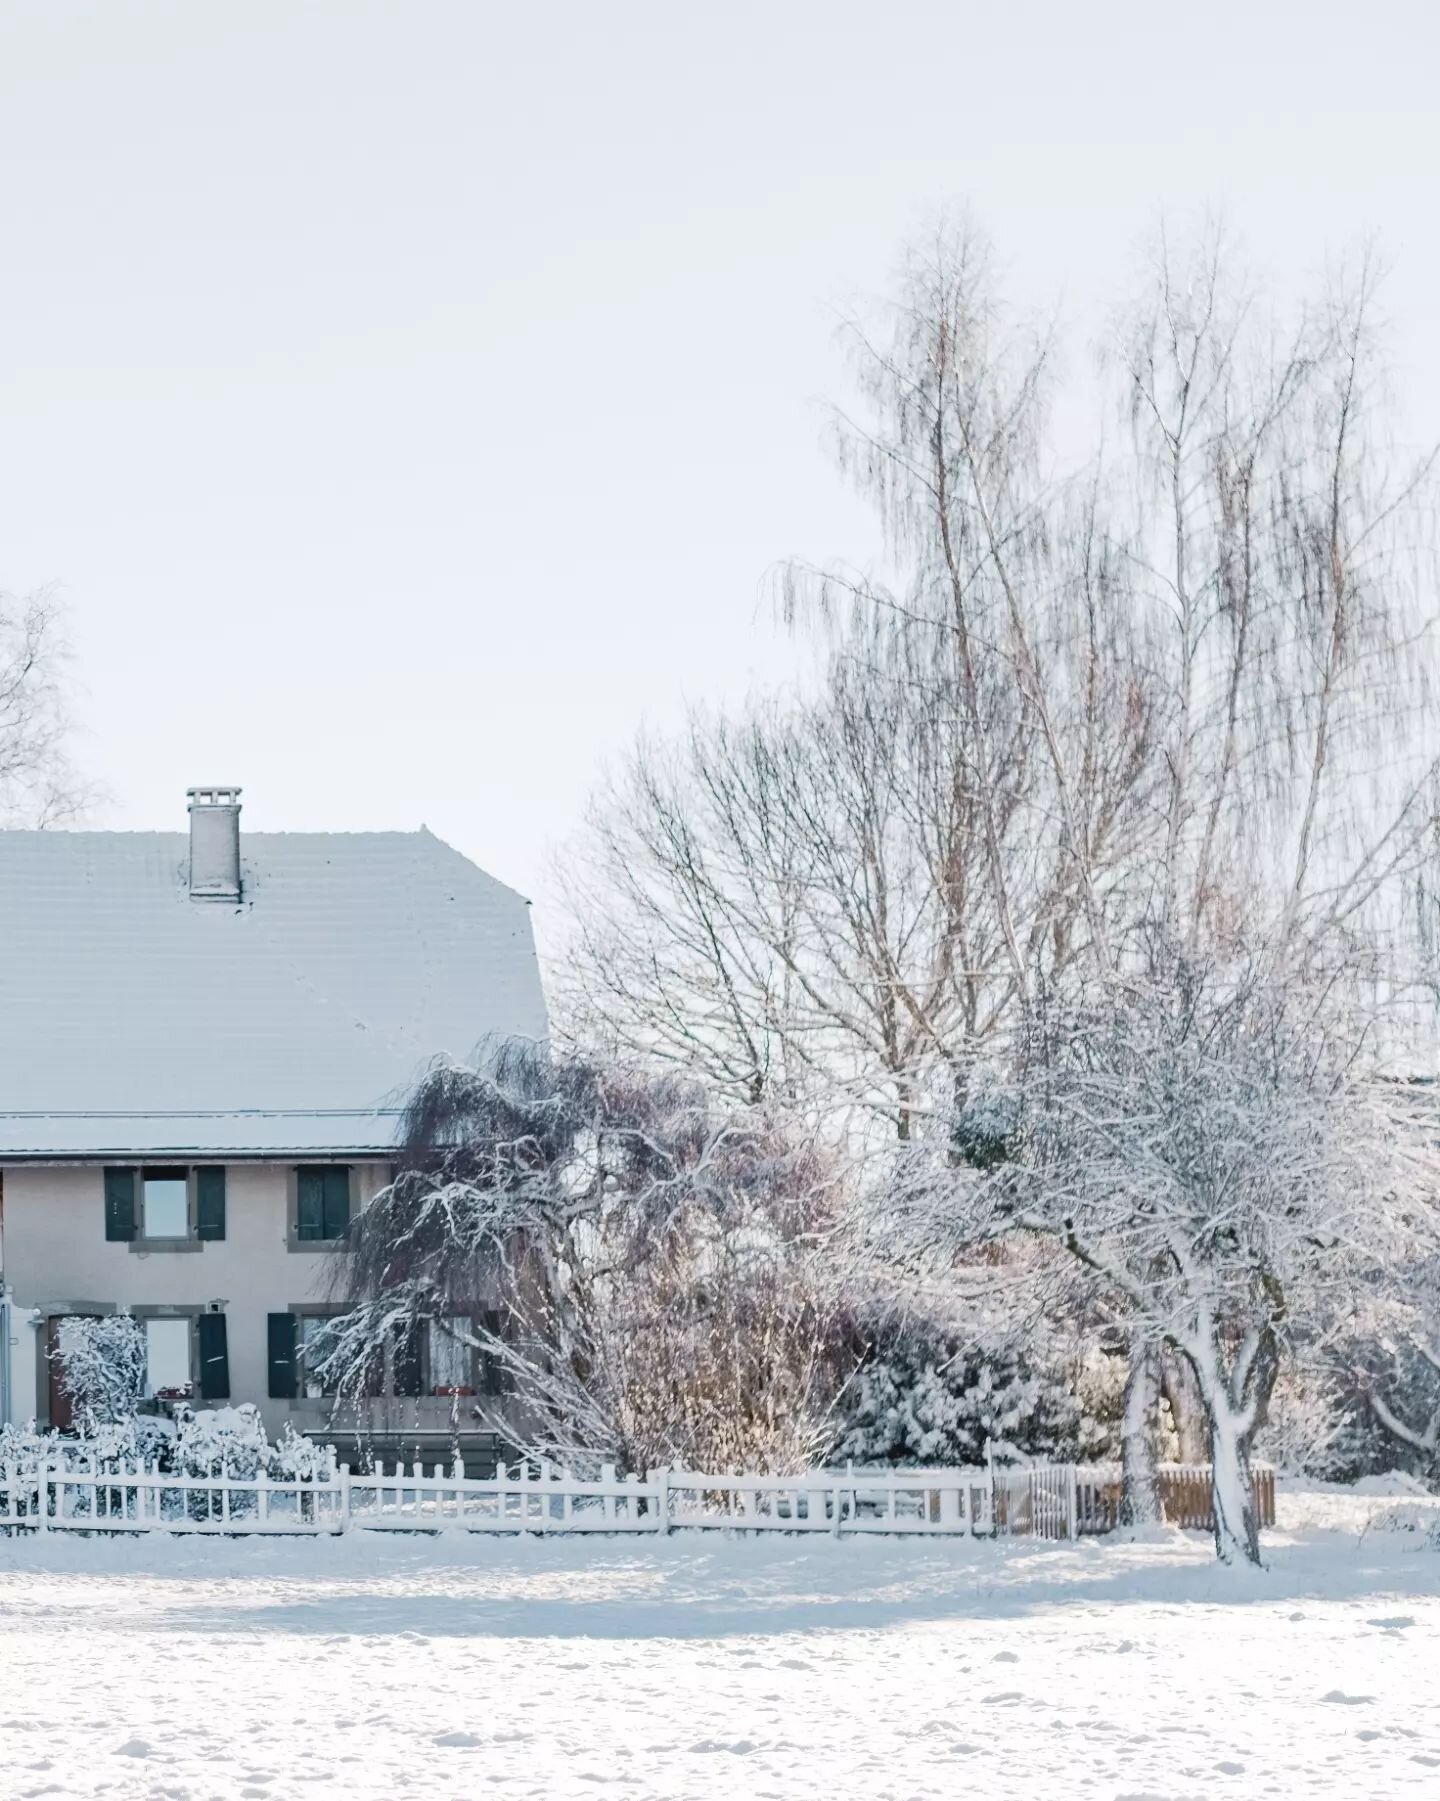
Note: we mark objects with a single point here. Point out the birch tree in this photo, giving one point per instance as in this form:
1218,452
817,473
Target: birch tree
37,784
1179,696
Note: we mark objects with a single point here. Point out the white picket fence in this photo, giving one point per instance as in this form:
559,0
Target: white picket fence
74,1491
80,1493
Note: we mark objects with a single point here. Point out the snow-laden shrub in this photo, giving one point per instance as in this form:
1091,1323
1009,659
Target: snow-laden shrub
227,1442
20,1446
921,1398
296,1459
221,1441
102,1368
143,1439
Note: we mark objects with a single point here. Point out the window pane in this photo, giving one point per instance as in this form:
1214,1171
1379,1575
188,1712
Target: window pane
166,1215
310,1203
449,1358
167,1344
308,1328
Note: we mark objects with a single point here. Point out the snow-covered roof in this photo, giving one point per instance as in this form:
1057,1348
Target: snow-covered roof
135,1019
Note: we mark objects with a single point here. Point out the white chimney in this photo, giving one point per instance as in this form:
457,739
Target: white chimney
214,843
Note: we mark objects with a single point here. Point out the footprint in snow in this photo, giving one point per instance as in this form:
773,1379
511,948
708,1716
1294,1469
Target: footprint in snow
1345,1700
460,1740
1228,1768
1394,1622
135,1747
1004,1657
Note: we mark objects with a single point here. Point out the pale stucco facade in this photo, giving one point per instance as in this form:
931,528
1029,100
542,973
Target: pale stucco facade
58,1261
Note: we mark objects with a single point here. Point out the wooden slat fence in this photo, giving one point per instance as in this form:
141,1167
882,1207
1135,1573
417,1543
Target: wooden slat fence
1184,1496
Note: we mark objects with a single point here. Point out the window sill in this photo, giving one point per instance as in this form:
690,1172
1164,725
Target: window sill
292,1243
143,1246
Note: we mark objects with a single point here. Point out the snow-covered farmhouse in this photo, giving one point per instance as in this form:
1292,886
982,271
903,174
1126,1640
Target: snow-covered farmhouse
205,1045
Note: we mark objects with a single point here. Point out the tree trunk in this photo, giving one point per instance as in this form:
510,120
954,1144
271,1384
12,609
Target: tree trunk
1232,1489
1182,1391
1140,1496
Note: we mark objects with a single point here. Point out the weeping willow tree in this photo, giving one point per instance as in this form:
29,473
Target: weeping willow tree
639,1268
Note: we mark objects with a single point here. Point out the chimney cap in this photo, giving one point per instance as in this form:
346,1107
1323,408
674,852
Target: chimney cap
214,843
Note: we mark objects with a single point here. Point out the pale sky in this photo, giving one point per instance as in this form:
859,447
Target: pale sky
409,399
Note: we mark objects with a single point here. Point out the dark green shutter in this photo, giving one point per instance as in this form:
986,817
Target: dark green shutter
337,1202
210,1203
214,1358
280,1346
310,1203
120,1204
405,1365
492,1372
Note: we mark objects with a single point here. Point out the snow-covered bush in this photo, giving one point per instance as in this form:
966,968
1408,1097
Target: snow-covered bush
102,1368
221,1441
296,1459
923,1397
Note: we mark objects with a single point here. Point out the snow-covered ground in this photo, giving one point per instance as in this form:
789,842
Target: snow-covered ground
701,1667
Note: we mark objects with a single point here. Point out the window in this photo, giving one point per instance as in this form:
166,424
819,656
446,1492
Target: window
451,1358
322,1203
167,1359
165,1208
293,1350
165,1204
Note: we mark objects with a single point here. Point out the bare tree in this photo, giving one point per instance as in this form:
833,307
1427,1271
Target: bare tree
37,783
1170,709
785,905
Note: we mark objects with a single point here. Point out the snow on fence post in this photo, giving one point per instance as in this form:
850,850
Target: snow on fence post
1072,1502
607,1500
662,1498
950,1510
814,1507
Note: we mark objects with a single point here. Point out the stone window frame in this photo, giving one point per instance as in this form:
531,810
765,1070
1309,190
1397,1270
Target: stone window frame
191,1310
142,1246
